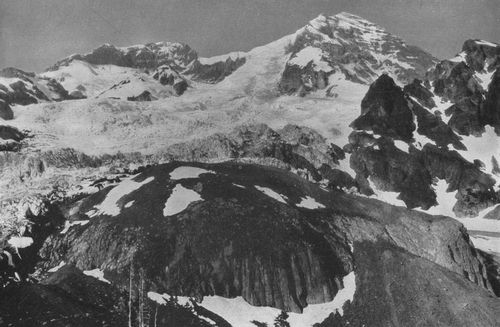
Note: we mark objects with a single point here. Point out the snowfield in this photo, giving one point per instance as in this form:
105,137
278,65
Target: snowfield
188,172
310,54
240,313
310,203
272,194
68,225
20,242
56,268
98,274
180,199
110,205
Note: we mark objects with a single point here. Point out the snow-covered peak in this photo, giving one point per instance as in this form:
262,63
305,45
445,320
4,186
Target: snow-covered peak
357,48
146,56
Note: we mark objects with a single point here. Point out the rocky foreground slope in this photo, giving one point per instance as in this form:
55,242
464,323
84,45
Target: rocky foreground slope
260,236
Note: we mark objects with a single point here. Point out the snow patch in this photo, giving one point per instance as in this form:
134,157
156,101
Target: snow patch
403,146
481,224
483,148
6,81
179,200
98,274
484,79
68,225
110,204
161,299
238,185
386,196
272,194
486,243
310,203
188,172
56,268
240,313
459,57
129,204
446,200
20,242
308,54
420,140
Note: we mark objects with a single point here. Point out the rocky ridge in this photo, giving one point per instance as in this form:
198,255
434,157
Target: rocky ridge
348,45
207,247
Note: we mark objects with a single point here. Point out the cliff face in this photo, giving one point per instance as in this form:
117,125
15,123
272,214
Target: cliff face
468,81
400,146
234,242
250,234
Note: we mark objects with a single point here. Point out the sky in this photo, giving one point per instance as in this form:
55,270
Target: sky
34,34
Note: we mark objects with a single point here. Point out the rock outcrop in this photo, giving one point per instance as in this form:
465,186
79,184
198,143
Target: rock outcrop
168,76
294,147
239,240
468,81
168,58
5,111
385,111
23,88
389,115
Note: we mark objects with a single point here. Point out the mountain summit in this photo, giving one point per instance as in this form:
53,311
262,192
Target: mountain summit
349,45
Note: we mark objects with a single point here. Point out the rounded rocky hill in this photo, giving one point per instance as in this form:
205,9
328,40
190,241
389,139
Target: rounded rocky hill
237,235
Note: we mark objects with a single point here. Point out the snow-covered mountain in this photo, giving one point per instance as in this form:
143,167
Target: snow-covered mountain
341,103
315,57
348,45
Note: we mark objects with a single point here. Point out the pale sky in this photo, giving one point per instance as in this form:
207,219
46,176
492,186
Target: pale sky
34,34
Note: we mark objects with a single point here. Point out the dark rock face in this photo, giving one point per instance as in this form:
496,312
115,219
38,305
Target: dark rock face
490,112
238,241
70,298
261,250
433,127
67,298
412,173
438,291
481,55
215,72
464,82
302,80
385,111
27,88
391,169
10,138
5,111
11,133
420,92
454,81
168,76
144,96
